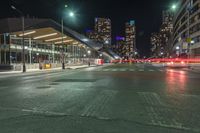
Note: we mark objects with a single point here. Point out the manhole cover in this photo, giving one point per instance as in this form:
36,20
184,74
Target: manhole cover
43,87
54,84
76,80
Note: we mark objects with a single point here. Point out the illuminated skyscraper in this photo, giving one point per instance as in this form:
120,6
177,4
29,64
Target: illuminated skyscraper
161,45
119,48
130,35
92,35
103,30
156,44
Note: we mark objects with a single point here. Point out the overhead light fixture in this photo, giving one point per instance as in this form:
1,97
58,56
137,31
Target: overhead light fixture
85,40
177,47
89,52
192,41
27,33
106,42
55,39
64,41
47,35
75,43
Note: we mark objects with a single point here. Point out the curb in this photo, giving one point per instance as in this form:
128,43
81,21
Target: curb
82,67
45,71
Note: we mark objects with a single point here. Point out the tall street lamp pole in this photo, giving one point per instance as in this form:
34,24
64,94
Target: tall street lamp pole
63,55
23,47
71,14
62,30
89,53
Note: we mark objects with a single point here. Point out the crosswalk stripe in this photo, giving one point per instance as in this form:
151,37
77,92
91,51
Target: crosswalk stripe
132,70
151,70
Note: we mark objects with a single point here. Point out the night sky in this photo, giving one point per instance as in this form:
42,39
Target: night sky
146,13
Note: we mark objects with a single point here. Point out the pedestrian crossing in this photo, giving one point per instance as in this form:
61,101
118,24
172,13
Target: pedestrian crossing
129,70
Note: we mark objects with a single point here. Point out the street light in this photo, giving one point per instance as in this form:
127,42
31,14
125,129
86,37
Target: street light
71,14
37,57
85,40
84,56
177,48
23,48
106,42
89,53
136,53
174,6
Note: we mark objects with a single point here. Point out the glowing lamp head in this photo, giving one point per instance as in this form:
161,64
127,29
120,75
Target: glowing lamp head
192,42
89,52
71,14
174,7
177,48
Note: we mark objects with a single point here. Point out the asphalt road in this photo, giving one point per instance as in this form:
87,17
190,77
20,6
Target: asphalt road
110,99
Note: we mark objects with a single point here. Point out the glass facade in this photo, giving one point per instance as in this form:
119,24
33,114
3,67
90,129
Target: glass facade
103,30
37,51
130,38
187,25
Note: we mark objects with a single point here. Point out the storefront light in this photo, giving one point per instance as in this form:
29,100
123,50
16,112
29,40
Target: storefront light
55,39
47,35
27,33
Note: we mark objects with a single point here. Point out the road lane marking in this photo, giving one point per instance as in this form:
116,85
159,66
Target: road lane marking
105,70
132,70
34,111
123,70
158,118
141,70
157,110
151,70
151,98
114,70
99,105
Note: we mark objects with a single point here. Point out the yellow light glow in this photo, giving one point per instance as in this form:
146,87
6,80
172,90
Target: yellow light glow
27,33
55,39
63,41
75,43
47,35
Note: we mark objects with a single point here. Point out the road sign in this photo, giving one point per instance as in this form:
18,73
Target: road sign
188,40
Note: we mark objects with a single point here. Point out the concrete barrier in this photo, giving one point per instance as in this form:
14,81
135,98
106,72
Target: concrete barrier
5,67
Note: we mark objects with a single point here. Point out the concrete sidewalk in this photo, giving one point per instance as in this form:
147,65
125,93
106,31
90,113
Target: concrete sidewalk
46,70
